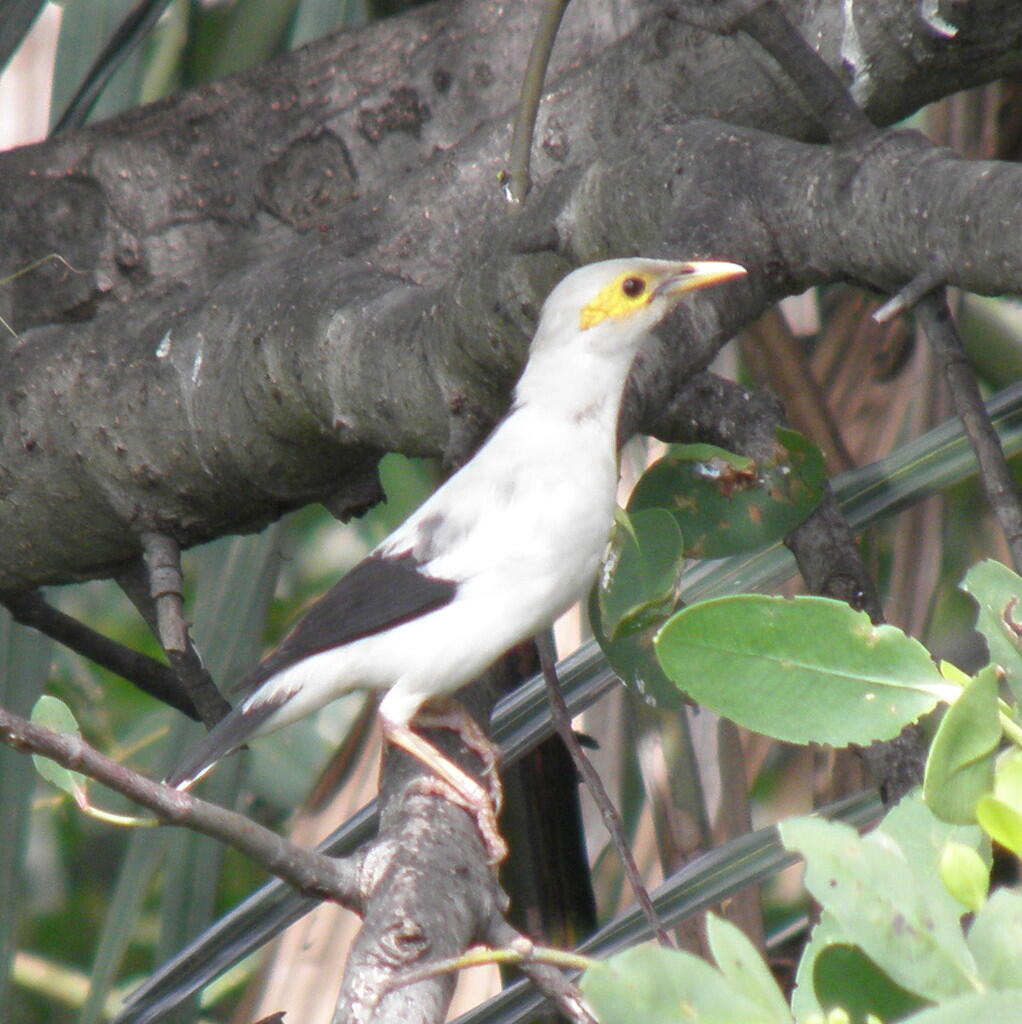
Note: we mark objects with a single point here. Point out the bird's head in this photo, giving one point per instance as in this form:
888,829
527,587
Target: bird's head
617,302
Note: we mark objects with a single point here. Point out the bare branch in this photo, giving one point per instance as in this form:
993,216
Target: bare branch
998,482
820,87
390,299
337,879
919,286
149,675
550,981
158,595
611,819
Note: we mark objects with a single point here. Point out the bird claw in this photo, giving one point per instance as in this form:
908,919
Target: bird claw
450,780
479,807
449,714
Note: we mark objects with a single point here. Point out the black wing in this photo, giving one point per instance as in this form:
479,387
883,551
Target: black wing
379,593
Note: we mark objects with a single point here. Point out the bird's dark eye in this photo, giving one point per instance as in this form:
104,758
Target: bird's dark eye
633,286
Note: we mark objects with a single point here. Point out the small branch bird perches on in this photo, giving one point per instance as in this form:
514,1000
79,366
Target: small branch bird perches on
492,557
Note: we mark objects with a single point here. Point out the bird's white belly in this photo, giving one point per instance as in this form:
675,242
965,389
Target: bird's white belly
432,655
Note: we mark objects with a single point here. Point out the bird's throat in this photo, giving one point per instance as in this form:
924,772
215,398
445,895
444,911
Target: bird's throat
584,391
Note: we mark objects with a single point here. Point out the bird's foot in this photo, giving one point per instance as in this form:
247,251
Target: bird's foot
478,806
455,784
445,713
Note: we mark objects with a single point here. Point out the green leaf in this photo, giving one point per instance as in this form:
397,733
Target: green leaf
804,999
664,986
922,837
844,976
634,661
1000,813
740,962
635,593
960,765
993,1007
995,939
1001,822
726,503
637,586
1008,778
997,591
807,669
833,972
965,875
885,907
54,714
713,457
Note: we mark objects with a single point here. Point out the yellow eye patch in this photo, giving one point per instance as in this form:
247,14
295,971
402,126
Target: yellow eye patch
626,293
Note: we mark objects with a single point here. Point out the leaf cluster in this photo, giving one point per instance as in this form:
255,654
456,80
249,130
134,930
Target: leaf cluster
909,928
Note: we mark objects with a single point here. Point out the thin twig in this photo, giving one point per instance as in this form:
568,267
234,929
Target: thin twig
542,965
550,981
519,179
998,482
28,268
311,873
919,286
166,586
562,722
148,674
159,598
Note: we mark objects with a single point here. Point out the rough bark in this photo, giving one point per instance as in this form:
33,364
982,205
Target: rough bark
288,272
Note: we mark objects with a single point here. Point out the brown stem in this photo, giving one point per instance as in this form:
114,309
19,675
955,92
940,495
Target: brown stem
562,722
157,593
312,874
998,482
148,674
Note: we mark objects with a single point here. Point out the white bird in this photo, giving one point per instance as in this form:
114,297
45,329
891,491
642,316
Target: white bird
494,555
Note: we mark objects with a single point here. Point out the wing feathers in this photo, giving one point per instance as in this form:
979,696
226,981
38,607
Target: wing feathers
379,593
228,734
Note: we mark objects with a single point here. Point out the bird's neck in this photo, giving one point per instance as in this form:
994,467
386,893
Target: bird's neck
579,390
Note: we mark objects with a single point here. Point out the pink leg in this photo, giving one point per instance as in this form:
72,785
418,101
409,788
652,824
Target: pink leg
445,713
452,782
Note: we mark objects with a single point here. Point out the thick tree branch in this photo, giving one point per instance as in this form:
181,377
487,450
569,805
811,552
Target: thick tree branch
247,377
820,87
422,910
197,438
251,332
407,922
